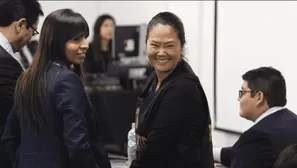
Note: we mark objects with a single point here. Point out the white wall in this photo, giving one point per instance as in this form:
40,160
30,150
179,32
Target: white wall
131,12
88,9
189,12
251,40
198,19
207,67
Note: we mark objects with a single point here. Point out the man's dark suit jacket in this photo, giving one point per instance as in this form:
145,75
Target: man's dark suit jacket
10,70
70,137
260,145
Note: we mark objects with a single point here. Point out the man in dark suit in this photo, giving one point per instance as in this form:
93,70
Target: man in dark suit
18,23
262,99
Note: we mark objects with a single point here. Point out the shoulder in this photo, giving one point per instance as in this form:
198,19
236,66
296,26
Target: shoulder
181,91
61,75
68,75
10,66
184,86
283,119
4,53
9,61
285,115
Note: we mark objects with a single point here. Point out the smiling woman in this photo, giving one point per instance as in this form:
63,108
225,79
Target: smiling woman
164,48
52,117
173,128
76,50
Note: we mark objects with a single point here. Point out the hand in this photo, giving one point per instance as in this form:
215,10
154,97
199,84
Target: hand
140,141
217,164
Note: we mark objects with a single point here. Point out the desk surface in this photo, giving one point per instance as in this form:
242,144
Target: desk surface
122,164
118,164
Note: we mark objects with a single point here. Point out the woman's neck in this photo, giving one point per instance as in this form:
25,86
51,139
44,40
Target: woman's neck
160,77
104,45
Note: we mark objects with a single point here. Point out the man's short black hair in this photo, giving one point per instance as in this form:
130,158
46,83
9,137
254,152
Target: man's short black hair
270,81
14,10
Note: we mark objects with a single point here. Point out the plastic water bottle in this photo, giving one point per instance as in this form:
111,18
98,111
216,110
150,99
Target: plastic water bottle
131,148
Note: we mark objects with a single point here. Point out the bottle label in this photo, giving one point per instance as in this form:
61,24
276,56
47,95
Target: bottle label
132,143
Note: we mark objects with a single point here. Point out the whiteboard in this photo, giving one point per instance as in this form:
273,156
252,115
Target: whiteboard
251,34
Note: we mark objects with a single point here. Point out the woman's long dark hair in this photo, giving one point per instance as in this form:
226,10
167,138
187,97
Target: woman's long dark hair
59,27
96,43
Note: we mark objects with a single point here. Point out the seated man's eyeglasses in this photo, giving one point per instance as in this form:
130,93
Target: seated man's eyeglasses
242,92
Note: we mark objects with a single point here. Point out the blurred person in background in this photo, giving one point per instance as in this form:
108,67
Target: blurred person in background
173,128
51,121
18,24
100,53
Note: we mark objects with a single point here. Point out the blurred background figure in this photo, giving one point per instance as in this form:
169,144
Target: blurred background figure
99,54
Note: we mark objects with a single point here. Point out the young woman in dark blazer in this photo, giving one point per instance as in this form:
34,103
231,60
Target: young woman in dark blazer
51,123
174,122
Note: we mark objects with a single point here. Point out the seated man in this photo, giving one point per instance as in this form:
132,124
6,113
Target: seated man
262,99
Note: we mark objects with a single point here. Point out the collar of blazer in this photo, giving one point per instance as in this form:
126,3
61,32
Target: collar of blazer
268,112
63,65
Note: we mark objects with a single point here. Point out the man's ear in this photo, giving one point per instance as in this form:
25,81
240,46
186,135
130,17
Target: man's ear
260,98
20,25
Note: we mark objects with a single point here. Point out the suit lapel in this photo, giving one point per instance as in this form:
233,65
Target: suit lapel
5,55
